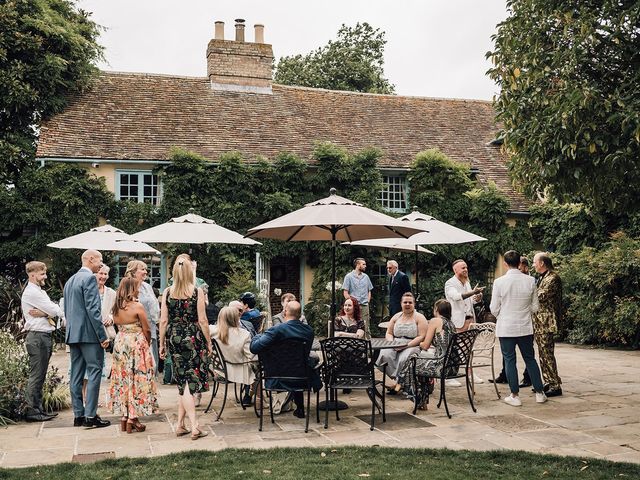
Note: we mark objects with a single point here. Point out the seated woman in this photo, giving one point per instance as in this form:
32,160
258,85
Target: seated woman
234,343
133,390
430,359
349,323
408,324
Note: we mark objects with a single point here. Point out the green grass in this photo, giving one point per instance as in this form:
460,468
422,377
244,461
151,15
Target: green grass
338,463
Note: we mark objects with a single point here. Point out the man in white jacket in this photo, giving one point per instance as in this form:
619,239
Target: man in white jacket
513,301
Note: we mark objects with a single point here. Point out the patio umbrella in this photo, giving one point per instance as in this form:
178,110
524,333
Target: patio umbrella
433,232
106,238
194,229
333,218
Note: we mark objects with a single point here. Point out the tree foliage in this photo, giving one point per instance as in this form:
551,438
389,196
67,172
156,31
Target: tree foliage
569,73
47,51
353,62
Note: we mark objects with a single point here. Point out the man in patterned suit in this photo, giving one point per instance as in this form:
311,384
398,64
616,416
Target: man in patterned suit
545,321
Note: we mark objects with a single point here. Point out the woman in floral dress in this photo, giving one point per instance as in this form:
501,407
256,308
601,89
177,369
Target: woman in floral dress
184,332
133,390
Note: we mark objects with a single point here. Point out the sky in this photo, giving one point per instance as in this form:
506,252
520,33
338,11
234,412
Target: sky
435,48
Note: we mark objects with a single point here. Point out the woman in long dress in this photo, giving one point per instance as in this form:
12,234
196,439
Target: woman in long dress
408,324
430,358
133,390
184,335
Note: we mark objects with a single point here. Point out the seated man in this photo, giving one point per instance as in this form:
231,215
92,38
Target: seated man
291,329
250,313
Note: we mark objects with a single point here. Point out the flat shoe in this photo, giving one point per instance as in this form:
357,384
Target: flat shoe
181,432
200,434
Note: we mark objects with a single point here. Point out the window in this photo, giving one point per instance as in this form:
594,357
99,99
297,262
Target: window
393,195
138,186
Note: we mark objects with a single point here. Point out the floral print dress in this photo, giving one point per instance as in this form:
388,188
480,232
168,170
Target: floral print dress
187,345
133,390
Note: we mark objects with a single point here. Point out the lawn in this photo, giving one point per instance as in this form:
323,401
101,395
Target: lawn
333,463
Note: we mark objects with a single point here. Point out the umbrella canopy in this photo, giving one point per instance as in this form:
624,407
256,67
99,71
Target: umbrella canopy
399,244
436,232
332,218
106,238
191,228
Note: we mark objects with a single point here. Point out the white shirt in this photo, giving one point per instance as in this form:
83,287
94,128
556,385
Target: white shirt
34,297
513,300
460,308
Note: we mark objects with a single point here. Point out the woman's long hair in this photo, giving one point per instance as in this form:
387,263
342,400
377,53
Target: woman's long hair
229,317
443,308
127,292
357,315
183,282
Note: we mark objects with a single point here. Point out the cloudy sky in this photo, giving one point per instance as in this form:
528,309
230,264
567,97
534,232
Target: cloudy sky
435,48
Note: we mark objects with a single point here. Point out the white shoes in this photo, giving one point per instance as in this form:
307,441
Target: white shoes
513,401
452,382
541,397
477,379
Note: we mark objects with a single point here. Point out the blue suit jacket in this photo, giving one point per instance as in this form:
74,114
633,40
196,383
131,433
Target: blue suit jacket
82,309
291,330
399,287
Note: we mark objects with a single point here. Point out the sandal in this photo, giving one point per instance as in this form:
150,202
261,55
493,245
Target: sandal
394,390
199,434
181,432
134,424
123,424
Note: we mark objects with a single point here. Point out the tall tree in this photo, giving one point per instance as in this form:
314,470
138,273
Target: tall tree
47,51
354,62
569,73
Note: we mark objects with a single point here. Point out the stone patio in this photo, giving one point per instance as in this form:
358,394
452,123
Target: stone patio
597,417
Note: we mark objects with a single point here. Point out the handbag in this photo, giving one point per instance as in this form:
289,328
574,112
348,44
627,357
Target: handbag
111,332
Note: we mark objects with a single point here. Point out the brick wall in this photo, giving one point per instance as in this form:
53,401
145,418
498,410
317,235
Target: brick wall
239,63
285,275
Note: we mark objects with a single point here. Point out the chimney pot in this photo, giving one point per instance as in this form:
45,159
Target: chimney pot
219,31
259,30
239,29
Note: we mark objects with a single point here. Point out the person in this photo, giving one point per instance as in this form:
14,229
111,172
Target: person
184,335
291,329
357,284
86,338
398,286
502,377
250,312
546,319
408,324
234,343
107,300
513,301
430,358
461,296
133,389
349,322
37,307
458,292
138,270
246,324
284,299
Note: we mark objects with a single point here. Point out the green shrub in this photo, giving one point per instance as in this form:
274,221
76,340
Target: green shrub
14,370
601,293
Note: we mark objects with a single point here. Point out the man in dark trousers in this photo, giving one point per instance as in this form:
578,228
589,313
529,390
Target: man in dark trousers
291,329
398,286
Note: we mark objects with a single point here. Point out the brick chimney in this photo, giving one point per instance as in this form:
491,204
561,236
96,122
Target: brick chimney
237,65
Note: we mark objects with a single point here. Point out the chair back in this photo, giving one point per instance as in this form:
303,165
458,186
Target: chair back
459,351
217,363
285,360
347,357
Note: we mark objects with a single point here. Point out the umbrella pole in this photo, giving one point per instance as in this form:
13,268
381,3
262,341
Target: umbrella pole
417,289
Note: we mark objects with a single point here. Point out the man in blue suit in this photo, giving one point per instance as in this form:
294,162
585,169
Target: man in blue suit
398,286
291,329
86,338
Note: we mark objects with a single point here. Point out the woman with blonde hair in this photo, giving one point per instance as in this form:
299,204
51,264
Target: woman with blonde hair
137,269
234,343
133,390
184,333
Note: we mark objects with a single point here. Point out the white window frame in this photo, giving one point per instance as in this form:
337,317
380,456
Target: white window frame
141,197
389,198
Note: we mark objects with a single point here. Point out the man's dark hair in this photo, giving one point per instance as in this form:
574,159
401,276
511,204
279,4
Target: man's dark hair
524,260
359,259
512,258
546,260
249,299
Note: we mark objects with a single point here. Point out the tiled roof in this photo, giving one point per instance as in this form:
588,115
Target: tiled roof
140,116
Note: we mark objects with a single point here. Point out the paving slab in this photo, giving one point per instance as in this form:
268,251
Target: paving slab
597,417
